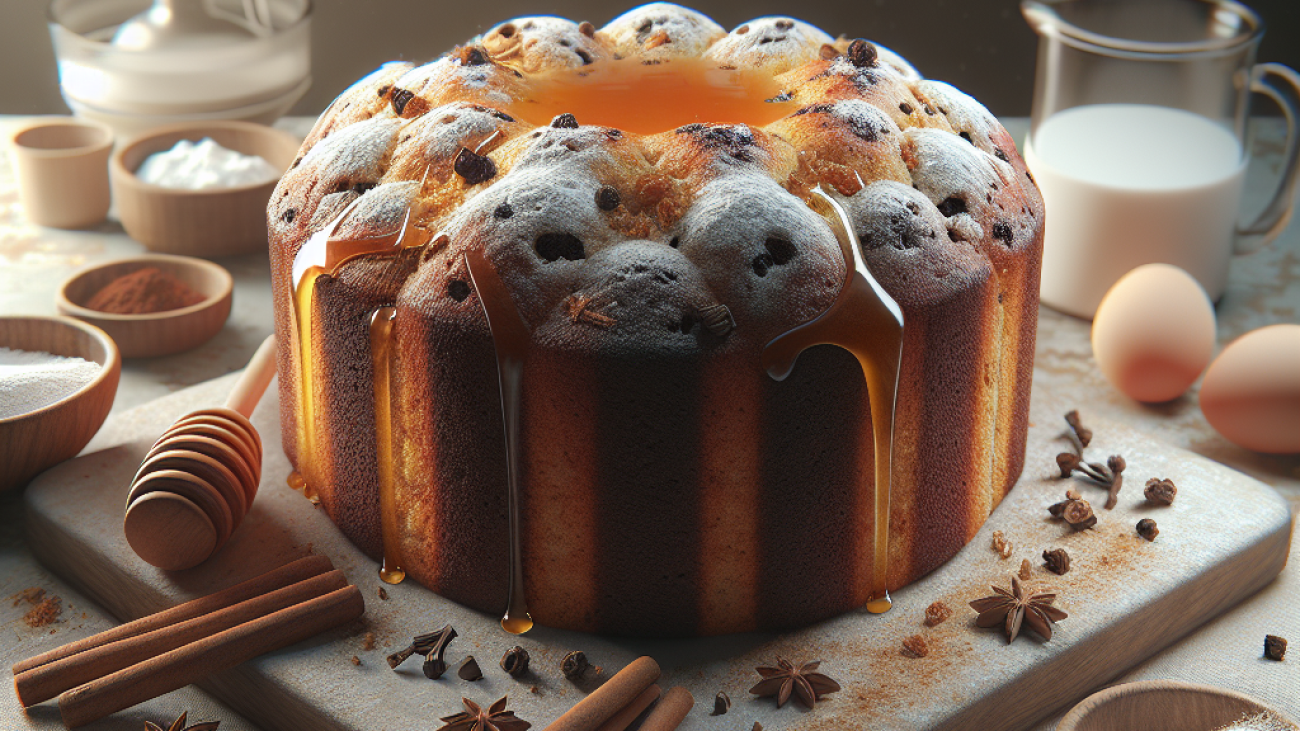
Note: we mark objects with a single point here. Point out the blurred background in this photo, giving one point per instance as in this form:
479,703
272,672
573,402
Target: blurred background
983,47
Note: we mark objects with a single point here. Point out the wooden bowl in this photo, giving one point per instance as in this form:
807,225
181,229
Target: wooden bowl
33,442
208,223
1161,705
156,333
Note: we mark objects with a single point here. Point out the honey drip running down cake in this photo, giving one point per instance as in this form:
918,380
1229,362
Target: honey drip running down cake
636,213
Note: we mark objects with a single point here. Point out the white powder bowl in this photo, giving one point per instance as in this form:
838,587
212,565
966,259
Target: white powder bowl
208,223
33,442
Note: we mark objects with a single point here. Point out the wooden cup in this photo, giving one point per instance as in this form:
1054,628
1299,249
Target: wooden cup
62,169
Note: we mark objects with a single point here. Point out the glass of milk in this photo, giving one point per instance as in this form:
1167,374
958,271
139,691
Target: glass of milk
1138,140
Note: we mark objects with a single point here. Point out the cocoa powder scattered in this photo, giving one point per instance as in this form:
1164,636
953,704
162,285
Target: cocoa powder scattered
144,291
31,595
45,613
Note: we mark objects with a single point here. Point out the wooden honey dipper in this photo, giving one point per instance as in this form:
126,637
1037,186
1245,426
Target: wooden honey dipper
199,479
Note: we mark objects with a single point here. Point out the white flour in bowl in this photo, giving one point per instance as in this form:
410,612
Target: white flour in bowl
204,165
31,380
1261,722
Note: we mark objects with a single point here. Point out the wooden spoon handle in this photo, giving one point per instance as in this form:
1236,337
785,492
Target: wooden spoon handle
250,387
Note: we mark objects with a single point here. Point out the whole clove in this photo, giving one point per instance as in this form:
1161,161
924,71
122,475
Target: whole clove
433,646
1147,529
1160,492
1075,511
1107,474
574,665
515,661
1057,561
1078,431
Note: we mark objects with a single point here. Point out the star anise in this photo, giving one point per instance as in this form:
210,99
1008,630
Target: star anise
1012,608
179,725
476,718
804,682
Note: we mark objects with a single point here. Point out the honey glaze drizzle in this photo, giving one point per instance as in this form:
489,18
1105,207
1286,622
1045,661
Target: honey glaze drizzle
510,337
381,353
324,255
868,323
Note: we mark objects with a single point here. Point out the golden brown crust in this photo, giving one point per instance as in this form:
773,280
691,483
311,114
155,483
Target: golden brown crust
643,427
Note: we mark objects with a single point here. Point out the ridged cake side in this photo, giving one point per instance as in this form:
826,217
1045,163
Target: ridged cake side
670,486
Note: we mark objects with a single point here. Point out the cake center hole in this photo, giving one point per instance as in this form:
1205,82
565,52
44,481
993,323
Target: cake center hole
653,98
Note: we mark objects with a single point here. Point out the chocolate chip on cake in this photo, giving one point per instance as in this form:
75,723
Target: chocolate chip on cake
473,167
861,53
607,198
565,121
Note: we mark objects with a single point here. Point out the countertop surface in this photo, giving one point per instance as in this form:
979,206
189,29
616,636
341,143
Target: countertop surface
1263,289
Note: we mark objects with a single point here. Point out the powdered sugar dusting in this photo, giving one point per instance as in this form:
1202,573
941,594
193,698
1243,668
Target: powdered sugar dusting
773,44
662,30
950,168
542,42
963,113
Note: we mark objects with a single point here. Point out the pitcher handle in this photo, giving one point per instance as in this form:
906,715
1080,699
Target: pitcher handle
1282,85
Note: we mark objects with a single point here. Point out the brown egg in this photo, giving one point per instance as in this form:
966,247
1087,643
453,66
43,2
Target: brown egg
1153,333
1251,394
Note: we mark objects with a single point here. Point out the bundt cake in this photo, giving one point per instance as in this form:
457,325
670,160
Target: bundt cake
643,197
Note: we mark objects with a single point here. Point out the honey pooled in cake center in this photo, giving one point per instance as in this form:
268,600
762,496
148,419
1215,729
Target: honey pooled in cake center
649,98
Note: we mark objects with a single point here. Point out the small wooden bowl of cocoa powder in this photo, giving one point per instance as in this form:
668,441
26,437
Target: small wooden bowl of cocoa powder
151,305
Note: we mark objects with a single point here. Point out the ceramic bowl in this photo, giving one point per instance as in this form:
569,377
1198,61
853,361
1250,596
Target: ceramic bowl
207,223
153,334
1162,705
33,442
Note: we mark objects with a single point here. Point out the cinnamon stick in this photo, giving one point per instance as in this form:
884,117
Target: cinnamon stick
670,710
590,712
197,660
289,573
627,714
49,680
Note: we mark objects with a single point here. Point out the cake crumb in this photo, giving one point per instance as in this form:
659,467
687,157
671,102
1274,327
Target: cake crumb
356,660
1025,570
915,646
937,613
368,642
1001,544
45,613
534,690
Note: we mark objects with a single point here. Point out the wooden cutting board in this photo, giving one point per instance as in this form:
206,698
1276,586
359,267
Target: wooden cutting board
1226,536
